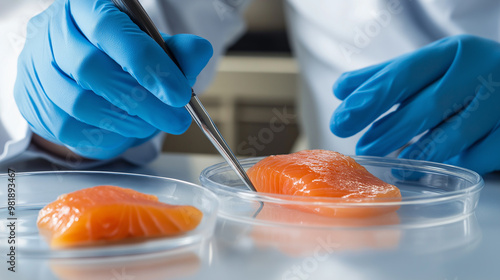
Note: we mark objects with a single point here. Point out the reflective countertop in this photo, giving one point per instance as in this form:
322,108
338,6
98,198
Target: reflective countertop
462,249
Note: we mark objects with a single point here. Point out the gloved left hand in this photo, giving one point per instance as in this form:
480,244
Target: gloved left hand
449,91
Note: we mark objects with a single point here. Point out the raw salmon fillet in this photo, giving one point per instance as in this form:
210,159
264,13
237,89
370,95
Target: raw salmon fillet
328,174
104,214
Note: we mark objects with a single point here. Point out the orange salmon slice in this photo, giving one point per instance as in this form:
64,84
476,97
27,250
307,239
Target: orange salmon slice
324,174
110,214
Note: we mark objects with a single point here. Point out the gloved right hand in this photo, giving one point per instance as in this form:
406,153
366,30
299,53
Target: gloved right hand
446,95
89,79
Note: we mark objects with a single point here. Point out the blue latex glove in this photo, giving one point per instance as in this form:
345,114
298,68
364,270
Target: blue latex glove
90,79
449,90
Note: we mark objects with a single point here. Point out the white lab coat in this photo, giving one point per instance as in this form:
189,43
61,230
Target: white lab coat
328,37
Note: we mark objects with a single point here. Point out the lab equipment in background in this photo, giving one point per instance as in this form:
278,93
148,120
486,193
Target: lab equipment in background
253,97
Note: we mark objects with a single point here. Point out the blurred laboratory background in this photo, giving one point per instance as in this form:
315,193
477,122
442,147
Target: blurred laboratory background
252,99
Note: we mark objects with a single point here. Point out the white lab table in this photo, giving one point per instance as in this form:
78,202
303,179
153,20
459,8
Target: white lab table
464,249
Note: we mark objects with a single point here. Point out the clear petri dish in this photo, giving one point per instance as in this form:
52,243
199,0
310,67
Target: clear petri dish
432,194
36,189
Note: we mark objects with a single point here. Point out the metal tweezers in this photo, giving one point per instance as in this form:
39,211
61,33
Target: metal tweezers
139,16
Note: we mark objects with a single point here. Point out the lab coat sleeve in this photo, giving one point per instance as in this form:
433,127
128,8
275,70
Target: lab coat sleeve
219,21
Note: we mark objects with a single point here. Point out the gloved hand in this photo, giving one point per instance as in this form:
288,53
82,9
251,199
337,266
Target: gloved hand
90,79
448,90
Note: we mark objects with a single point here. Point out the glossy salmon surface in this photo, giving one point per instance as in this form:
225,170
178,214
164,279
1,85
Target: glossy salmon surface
324,174
109,214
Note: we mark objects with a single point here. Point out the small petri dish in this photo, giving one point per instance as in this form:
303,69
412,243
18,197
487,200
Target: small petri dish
36,189
432,194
